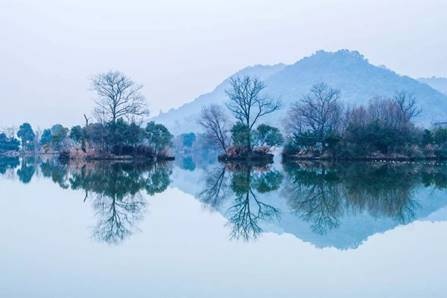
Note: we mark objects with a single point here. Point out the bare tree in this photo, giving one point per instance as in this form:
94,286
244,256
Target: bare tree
247,103
117,217
407,106
248,211
396,112
215,123
355,116
118,96
318,113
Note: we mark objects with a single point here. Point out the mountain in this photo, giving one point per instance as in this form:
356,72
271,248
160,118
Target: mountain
439,84
184,118
349,71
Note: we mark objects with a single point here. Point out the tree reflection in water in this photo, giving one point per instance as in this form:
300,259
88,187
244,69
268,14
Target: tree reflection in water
385,190
315,195
216,187
26,170
57,171
322,194
318,193
113,188
243,184
117,199
8,163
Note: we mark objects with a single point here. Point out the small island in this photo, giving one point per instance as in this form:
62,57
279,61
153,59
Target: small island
242,141
118,132
319,127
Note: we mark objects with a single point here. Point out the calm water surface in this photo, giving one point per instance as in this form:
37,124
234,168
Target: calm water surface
205,230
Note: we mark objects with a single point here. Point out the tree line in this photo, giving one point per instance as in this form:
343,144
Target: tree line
118,129
317,126
320,126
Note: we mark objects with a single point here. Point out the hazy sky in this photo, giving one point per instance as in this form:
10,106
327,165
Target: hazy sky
180,49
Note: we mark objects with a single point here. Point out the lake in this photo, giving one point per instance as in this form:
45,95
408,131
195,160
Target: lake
191,229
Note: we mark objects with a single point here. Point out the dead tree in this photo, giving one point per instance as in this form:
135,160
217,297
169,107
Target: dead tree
215,123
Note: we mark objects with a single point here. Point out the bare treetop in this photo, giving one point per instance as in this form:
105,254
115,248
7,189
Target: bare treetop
246,101
407,105
318,112
215,123
397,112
118,97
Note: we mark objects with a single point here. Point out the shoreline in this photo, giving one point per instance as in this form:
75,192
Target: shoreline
59,155
361,159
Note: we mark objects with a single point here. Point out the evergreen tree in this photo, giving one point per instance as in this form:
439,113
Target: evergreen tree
26,135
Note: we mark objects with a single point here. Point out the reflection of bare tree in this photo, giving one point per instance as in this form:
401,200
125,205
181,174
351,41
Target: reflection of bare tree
246,183
246,214
316,198
117,198
117,216
216,189
118,202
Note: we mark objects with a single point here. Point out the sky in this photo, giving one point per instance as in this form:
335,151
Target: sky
50,50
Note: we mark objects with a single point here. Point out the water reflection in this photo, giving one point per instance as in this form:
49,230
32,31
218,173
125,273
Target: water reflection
336,205
114,189
322,194
8,163
244,186
27,170
115,192
326,196
316,196
56,171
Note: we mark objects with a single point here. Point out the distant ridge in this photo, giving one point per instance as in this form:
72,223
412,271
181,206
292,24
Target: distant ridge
184,118
349,71
436,83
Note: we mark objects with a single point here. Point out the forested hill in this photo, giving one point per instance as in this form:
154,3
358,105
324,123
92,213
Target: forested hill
349,71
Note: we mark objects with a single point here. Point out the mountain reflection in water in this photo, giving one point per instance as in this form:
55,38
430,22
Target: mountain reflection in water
337,205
